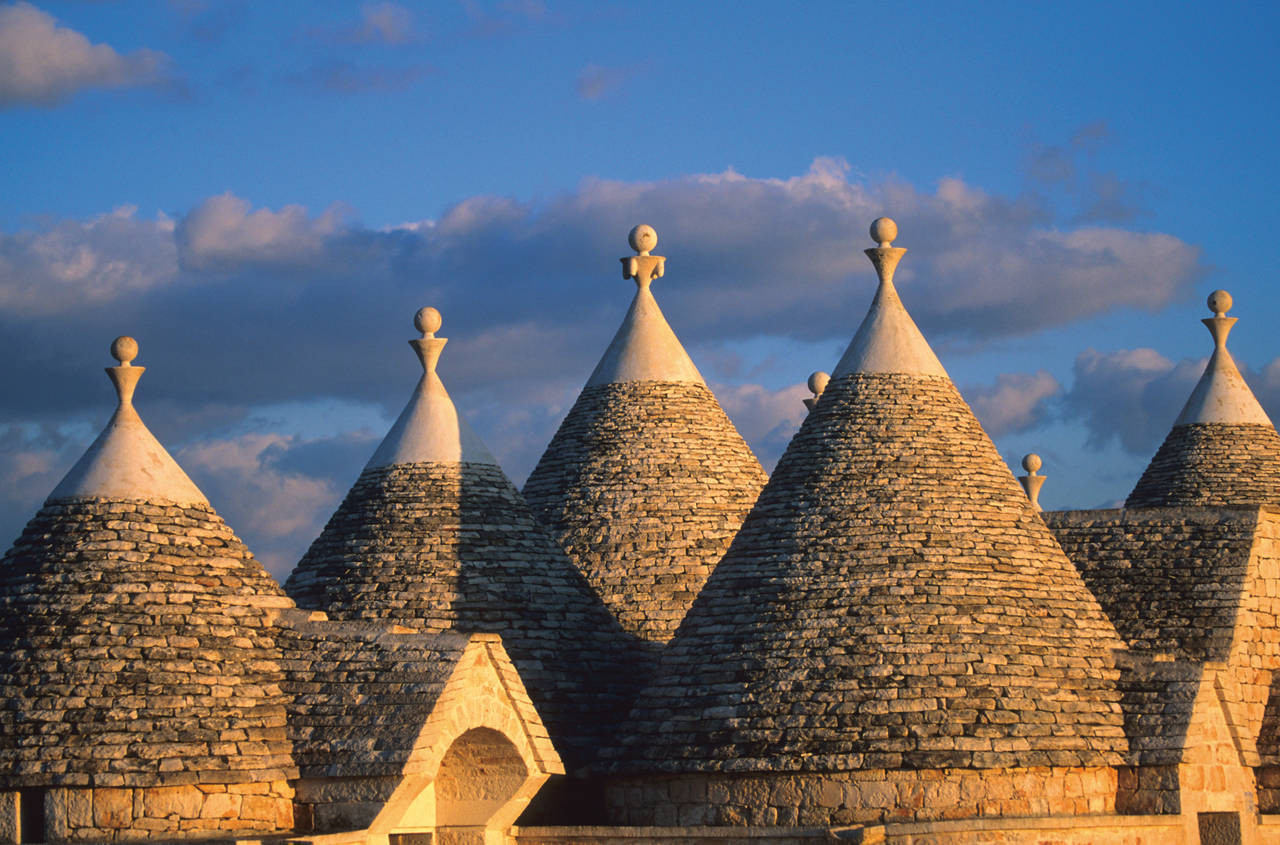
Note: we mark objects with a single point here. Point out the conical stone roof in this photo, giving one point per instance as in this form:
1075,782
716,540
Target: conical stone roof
892,601
138,647
646,481
1223,448
434,535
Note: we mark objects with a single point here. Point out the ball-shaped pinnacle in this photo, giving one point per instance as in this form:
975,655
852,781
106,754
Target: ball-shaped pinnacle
643,239
1219,302
818,382
428,321
124,349
884,231
1032,463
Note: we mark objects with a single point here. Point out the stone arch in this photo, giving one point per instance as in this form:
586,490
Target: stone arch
479,788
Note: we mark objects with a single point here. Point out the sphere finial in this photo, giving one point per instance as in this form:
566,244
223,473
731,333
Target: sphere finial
1032,463
124,349
884,231
428,321
818,382
643,239
1219,303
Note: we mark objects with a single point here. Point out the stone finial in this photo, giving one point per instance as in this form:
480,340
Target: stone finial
884,255
1219,324
428,321
643,239
1220,303
817,384
124,349
125,376
884,231
642,266
1032,481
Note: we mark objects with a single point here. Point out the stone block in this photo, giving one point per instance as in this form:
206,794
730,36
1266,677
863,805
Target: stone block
221,805
9,822
78,805
184,802
112,808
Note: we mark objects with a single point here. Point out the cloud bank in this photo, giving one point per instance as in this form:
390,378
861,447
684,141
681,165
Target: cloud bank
238,306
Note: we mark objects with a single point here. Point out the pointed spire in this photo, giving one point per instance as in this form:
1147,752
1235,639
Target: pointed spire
429,429
126,461
1221,396
1031,482
817,383
645,348
888,340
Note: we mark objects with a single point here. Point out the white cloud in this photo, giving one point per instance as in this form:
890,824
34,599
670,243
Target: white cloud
71,264
222,233
42,63
385,23
1016,402
280,510
766,419
1130,395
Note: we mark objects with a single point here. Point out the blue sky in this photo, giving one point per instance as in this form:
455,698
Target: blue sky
264,193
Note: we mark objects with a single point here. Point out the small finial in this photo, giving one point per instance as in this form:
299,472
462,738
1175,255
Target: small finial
817,384
428,321
1219,324
884,231
643,239
124,349
428,347
642,266
1031,482
884,256
1219,303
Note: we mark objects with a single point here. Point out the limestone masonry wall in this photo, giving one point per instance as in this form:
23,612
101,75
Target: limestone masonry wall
866,796
111,813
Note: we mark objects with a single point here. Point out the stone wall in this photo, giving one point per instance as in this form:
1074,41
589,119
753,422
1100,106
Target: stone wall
867,796
1089,830
163,812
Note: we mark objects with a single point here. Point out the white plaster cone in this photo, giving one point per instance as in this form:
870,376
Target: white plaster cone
126,461
645,348
429,429
888,340
1222,395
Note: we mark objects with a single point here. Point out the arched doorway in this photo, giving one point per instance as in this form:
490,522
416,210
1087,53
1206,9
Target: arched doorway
480,775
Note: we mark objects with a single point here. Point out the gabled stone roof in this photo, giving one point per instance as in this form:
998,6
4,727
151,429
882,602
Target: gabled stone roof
137,630
450,545
646,481
892,601
360,694
364,697
1223,448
